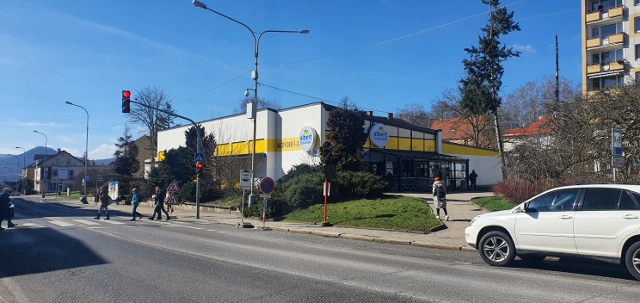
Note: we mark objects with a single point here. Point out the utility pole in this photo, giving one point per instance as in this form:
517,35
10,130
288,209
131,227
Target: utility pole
557,73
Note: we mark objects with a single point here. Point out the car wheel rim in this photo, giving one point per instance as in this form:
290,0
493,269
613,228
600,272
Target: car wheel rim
636,260
496,249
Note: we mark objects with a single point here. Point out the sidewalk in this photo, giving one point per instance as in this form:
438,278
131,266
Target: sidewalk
451,236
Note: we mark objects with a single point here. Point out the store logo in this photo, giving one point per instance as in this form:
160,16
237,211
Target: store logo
379,135
307,138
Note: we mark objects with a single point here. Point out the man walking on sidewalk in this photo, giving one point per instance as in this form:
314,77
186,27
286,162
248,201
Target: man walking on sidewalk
159,201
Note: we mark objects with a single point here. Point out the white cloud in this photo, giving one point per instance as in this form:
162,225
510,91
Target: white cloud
524,48
103,151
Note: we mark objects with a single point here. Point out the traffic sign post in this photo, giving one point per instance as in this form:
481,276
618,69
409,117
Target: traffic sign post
616,151
172,189
267,185
198,157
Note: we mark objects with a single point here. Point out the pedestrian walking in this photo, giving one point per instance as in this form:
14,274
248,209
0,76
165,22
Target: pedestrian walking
135,201
159,205
104,202
5,200
472,177
440,198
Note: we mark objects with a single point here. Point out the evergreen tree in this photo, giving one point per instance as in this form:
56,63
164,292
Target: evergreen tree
126,163
484,69
343,146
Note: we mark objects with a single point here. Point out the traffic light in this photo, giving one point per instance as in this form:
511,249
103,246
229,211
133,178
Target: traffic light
126,102
199,167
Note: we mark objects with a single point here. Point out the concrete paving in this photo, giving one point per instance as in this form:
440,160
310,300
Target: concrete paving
450,236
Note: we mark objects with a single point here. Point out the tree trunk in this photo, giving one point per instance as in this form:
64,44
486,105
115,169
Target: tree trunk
503,163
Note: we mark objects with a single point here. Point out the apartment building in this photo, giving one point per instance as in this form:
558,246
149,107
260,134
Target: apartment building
610,43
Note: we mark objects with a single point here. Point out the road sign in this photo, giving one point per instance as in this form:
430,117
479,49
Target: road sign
267,185
245,178
87,178
199,157
172,200
616,142
265,196
617,162
173,187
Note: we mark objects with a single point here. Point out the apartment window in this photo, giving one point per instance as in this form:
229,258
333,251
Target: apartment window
638,75
607,30
600,83
636,24
638,50
636,2
609,56
70,174
605,4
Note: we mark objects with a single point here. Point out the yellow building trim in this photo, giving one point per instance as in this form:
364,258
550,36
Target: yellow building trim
160,156
467,150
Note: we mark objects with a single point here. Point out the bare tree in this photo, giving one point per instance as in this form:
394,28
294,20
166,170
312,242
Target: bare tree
147,115
415,114
262,103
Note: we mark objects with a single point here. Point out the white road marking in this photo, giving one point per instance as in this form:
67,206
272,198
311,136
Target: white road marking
60,223
112,222
87,222
31,225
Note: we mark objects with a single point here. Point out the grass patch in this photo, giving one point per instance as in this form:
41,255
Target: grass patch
395,213
493,203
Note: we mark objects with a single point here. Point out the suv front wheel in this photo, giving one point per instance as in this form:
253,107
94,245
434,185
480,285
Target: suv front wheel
496,248
632,260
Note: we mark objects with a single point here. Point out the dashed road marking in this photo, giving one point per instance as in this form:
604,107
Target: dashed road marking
112,222
61,223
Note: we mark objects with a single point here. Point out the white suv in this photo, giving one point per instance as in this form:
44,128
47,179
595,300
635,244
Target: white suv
598,221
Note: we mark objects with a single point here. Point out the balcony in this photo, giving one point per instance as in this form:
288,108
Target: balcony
612,13
605,67
605,40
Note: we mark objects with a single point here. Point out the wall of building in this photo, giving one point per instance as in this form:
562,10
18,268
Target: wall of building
485,162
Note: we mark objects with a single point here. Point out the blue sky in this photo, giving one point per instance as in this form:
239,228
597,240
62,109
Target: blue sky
382,54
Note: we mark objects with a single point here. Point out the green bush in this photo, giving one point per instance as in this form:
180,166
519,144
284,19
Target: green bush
356,185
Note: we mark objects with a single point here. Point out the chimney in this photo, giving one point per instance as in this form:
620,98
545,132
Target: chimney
390,116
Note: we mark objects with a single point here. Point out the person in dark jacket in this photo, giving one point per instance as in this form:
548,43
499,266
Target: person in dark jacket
472,177
4,208
135,202
159,205
104,202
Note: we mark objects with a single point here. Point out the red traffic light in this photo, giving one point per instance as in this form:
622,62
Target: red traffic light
126,94
199,165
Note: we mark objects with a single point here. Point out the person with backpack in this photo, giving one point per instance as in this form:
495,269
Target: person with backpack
440,198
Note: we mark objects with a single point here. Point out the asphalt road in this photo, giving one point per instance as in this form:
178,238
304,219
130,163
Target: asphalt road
60,253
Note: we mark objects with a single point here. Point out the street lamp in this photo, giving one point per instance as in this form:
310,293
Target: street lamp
24,164
86,153
254,75
44,164
18,159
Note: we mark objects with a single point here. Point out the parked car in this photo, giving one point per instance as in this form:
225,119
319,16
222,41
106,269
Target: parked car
596,221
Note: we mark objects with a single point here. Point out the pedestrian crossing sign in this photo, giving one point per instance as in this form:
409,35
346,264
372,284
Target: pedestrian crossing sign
173,200
173,187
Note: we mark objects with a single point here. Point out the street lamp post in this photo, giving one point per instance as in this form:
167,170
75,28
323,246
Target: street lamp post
86,153
18,159
254,75
44,164
24,165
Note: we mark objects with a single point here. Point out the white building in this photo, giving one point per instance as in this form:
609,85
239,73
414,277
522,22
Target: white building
287,137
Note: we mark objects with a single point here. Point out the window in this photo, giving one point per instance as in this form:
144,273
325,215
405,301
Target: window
560,200
607,30
70,174
637,77
68,162
57,161
601,199
636,24
638,50
605,4
609,56
626,202
599,83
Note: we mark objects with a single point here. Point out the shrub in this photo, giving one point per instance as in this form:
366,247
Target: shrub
356,185
517,190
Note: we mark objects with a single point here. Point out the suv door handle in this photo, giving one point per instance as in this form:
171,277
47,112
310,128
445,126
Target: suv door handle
564,217
629,216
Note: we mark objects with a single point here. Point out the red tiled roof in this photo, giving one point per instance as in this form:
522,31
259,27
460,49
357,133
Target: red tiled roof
454,128
544,125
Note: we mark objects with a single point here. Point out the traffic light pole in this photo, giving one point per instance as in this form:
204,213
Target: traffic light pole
199,148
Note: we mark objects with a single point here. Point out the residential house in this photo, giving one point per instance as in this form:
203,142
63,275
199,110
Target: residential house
540,131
